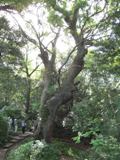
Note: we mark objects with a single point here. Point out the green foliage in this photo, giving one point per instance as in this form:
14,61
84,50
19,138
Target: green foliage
49,152
3,25
3,130
99,111
10,41
97,106
82,3
17,5
105,148
12,88
11,85
35,151
55,19
39,150
85,119
12,111
21,153
88,134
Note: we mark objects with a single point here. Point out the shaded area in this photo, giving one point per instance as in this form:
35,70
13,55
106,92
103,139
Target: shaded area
13,143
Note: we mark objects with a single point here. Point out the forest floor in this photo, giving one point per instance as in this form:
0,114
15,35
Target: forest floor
16,140
13,143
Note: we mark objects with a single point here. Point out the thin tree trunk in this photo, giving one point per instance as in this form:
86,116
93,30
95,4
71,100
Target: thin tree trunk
28,96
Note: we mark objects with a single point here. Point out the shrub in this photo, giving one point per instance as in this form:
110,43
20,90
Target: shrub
39,150
21,153
43,151
3,130
105,148
36,150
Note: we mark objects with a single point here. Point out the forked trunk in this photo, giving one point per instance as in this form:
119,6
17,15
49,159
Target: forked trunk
63,96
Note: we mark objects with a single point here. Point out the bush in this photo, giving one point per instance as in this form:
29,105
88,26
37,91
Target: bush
105,148
21,153
36,150
3,130
43,151
12,111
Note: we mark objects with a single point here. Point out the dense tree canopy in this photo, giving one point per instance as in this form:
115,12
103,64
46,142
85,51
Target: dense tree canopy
77,82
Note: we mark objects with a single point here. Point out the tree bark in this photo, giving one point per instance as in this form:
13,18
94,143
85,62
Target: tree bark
48,81
63,96
6,7
28,96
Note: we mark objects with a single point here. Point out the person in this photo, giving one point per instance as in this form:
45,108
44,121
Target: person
9,123
16,126
23,124
13,124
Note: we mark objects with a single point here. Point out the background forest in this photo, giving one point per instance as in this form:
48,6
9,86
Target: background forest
60,73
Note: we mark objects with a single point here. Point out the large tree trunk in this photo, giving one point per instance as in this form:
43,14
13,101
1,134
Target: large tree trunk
63,112
65,93
48,81
52,105
63,96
